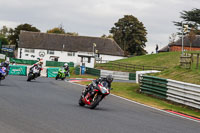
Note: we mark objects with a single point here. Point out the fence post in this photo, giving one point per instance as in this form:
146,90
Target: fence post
197,66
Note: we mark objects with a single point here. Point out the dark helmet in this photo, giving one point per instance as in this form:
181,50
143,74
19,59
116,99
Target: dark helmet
109,78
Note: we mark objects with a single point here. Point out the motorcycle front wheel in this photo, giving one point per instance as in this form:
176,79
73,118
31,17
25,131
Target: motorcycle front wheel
80,102
56,77
30,76
97,98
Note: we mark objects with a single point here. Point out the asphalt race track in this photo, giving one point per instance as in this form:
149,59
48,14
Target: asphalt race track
49,106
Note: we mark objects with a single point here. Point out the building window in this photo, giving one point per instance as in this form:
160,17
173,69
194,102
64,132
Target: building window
26,50
26,54
71,53
29,50
50,52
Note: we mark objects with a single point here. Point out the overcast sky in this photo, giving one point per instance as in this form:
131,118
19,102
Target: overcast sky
97,17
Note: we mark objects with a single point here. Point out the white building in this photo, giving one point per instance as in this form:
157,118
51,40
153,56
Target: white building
65,48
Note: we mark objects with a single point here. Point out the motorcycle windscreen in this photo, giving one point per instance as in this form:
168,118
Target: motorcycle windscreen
104,87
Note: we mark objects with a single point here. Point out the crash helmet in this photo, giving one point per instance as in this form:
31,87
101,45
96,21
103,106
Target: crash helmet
40,62
65,65
109,78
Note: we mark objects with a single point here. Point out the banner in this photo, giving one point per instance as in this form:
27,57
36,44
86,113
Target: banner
58,64
52,72
2,56
18,70
21,61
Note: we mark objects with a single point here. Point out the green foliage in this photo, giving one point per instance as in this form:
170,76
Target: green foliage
191,18
72,33
60,30
4,31
3,41
3,35
14,37
57,30
109,36
130,34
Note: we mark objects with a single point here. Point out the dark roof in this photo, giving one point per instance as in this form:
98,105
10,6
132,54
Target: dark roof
50,41
164,49
186,42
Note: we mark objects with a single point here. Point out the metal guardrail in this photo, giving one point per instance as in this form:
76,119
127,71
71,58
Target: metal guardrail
115,74
184,93
176,91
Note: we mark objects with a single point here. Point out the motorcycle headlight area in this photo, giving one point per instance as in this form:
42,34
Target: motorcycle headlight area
104,90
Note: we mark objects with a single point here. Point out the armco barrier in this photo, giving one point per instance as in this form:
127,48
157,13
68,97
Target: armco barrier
176,91
18,70
184,93
52,72
92,71
154,86
132,76
58,64
21,61
115,74
77,70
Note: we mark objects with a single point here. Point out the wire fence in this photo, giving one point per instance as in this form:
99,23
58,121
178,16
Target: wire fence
128,67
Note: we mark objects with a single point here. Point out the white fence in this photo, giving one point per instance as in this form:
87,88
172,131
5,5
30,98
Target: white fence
184,93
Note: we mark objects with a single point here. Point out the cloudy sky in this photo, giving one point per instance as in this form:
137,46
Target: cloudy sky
97,17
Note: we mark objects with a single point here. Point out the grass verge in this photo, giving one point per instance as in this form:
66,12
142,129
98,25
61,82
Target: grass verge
131,91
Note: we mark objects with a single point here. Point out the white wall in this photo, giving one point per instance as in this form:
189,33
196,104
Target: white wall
106,58
64,57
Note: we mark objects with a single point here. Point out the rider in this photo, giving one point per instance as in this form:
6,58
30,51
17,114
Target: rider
66,67
108,79
6,65
39,65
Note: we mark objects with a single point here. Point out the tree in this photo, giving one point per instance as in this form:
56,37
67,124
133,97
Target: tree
130,34
172,38
191,37
4,31
57,30
3,35
72,33
105,36
191,18
14,34
3,40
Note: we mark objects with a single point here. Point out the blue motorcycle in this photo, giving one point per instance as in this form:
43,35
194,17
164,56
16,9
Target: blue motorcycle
3,73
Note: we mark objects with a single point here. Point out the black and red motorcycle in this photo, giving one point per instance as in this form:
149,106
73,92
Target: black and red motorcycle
92,97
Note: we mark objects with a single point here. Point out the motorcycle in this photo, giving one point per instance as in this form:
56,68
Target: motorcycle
34,72
95,95
3,73
62,74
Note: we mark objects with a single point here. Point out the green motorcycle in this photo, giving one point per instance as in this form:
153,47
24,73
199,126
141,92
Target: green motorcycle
62,74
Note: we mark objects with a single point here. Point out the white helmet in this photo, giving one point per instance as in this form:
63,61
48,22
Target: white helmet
65,65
